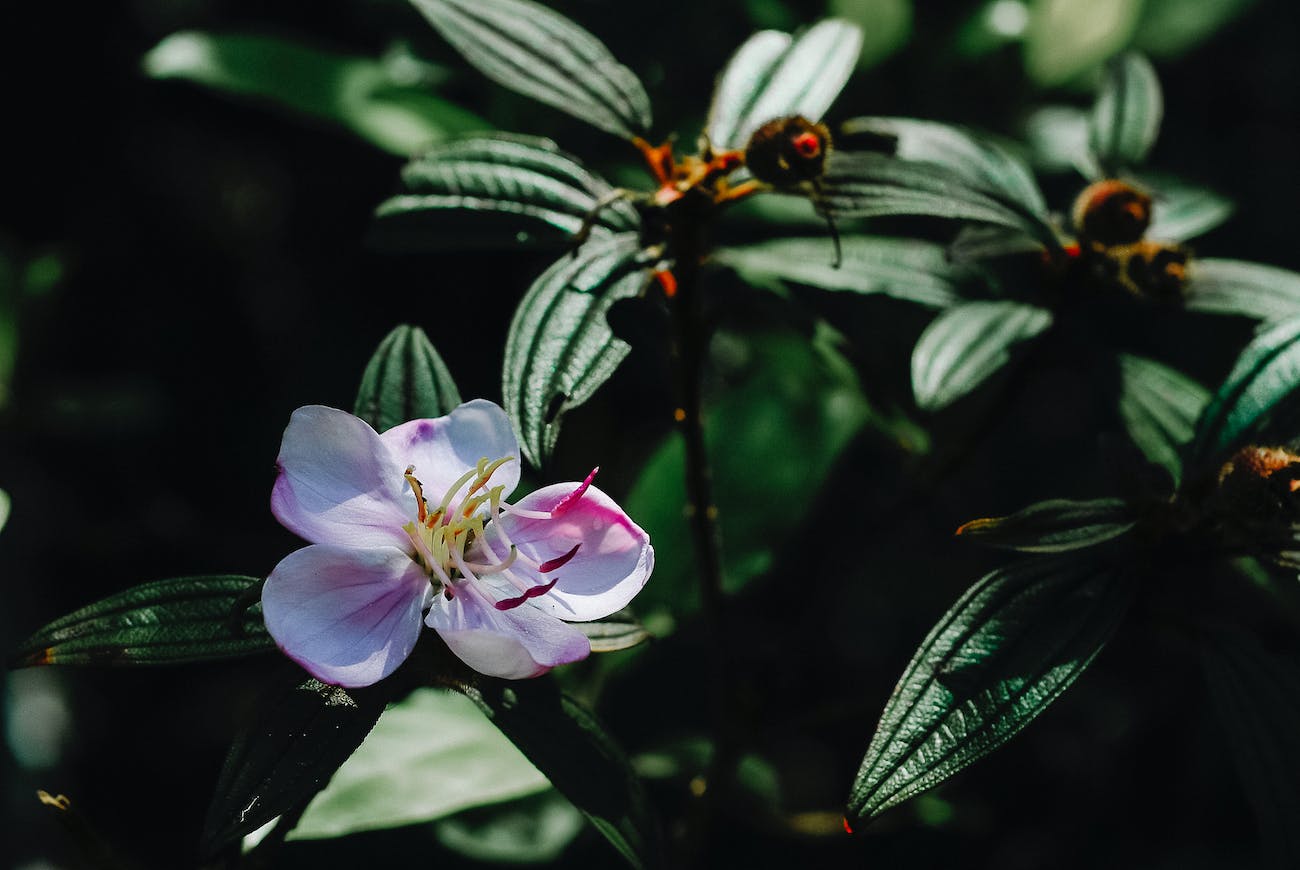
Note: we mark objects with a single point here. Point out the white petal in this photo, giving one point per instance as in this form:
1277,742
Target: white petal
444,448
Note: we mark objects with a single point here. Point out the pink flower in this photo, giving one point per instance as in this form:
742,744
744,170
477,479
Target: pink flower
412,527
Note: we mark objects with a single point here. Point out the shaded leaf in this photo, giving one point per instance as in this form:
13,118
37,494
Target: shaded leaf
1067,38
1171,27
560,348
184,619
405,379
499,179
1126,116
531,830
1182,211
529,48
886,26
1159,407
582,761
1054,526
968,343
431,755
1237,287
907,269
774,75
1009,647
364,95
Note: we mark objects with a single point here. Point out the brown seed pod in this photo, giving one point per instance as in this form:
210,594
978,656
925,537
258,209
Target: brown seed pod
1111,212
788,151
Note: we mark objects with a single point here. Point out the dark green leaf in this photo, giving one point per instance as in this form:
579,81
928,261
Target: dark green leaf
1236,287
1126,116
965,345
980,163
1257,695
907,269
531,830
497,180
560,348
1054,526
1182,211
277,765
366,96
405,379
528,48
570,746
1171,27
1013,643
1159,407
774,75
185,619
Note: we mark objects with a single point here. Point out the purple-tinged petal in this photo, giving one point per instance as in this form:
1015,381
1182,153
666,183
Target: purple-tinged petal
444,448
613,560
512,644
350,617
338,483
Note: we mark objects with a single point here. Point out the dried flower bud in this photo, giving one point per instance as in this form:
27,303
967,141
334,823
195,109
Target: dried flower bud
1257,501
788,151
1111,213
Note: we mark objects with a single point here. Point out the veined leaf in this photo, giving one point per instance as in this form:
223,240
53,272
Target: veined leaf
362,94
529,48
1237,287
1008,648
185,619
977,161
569,745
615,632
1054,526
560,348
430,755
1258,393
1159,407
405,379
907,269
774,75
504,176
966,344
1126,116
1182,211
1058,139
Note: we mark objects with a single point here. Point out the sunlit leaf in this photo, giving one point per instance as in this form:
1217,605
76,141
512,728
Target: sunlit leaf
1236,287
1159,407
431,755
1126,116
570,746
531,830
1170,27
968,343
560,348
483,187
529,48
1053,526
1058,140
1182,211
907,269
361,94
185,619
405,379
1006,650
1066,38
774,75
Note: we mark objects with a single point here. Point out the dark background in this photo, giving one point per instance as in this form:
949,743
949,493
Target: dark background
214,276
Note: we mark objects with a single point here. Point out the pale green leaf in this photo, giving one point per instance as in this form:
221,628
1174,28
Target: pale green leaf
1159,407
1236,287
1126,117
1066,38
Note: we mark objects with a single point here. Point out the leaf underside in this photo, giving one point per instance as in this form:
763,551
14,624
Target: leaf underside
1236,287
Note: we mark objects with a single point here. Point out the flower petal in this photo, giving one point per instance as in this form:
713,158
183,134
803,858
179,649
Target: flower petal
350,617
444,448
511,644
338,483
613,560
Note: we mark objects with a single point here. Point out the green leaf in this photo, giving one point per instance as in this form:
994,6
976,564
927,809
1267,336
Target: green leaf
366,96
907,269
967,344
1171,27
529,48
531,830
1159,407
560,348
1259,393
1182,211
1067,38
570,746
1257,696
616,632
886,26
1126,116
774,75
429,756
1054,526
980,163
300,738
1058,140
184,619
405,380
498,180
1237,287
1009,647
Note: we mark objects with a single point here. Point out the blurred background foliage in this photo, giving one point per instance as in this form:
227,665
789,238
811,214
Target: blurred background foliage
182,266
